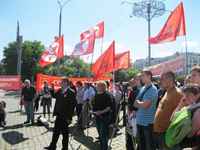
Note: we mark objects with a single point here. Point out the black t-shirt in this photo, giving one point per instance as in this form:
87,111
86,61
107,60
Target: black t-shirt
102,101
28,93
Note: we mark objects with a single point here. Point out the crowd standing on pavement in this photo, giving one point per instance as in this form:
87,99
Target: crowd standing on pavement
155,105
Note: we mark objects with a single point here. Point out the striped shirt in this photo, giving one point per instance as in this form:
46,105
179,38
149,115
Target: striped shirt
144,116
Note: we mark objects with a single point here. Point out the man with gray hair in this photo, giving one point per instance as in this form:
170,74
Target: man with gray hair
166,107
28,95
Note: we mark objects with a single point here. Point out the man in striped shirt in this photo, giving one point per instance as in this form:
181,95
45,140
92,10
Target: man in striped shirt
146,104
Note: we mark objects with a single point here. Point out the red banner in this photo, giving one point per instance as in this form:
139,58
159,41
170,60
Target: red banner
56,80
176,65
10,82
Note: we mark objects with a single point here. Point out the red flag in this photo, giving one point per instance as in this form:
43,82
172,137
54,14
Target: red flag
98,29
122,60
54,51
175,26
105,63
84,47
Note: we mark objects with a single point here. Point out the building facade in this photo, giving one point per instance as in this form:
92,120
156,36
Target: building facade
192,59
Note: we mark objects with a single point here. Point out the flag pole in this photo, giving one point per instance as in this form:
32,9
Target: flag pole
186,56
113,78
91,61
102,40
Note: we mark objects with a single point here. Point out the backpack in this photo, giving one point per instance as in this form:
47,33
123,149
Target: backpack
180,126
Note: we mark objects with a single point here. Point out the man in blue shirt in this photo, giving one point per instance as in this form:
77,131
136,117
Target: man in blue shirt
146,104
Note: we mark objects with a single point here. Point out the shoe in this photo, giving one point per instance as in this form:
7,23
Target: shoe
2,125
50,148
26,122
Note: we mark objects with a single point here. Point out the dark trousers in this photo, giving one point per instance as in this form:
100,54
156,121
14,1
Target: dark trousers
60,127
102,124
46,106
78,111
145,137
29,111
2,116
159,141
190,142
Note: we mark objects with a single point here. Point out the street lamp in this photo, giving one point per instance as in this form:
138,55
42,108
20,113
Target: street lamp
61,6
147,9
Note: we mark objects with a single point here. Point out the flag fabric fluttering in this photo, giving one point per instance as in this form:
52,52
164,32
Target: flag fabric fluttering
53,52
175,26
85,46
98,30
105,63
122,60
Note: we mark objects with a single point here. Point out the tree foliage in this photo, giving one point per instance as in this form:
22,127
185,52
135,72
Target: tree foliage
70,67
125,75
31,52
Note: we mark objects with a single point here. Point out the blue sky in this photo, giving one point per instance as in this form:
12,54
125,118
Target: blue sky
39,21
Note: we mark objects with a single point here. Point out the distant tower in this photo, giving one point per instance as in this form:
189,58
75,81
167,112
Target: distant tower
19,40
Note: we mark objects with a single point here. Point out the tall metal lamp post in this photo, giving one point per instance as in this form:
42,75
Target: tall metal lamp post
147,9
61,6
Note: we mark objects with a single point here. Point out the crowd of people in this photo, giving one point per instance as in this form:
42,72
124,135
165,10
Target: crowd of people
154,105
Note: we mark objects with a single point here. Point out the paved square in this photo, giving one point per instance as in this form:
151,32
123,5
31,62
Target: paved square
16,136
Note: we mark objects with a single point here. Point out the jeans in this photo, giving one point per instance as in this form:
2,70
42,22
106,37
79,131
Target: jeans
102,124
145,137
29,111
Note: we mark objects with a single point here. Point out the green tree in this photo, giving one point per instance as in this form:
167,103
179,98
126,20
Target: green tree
125,75
70,67
31,52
